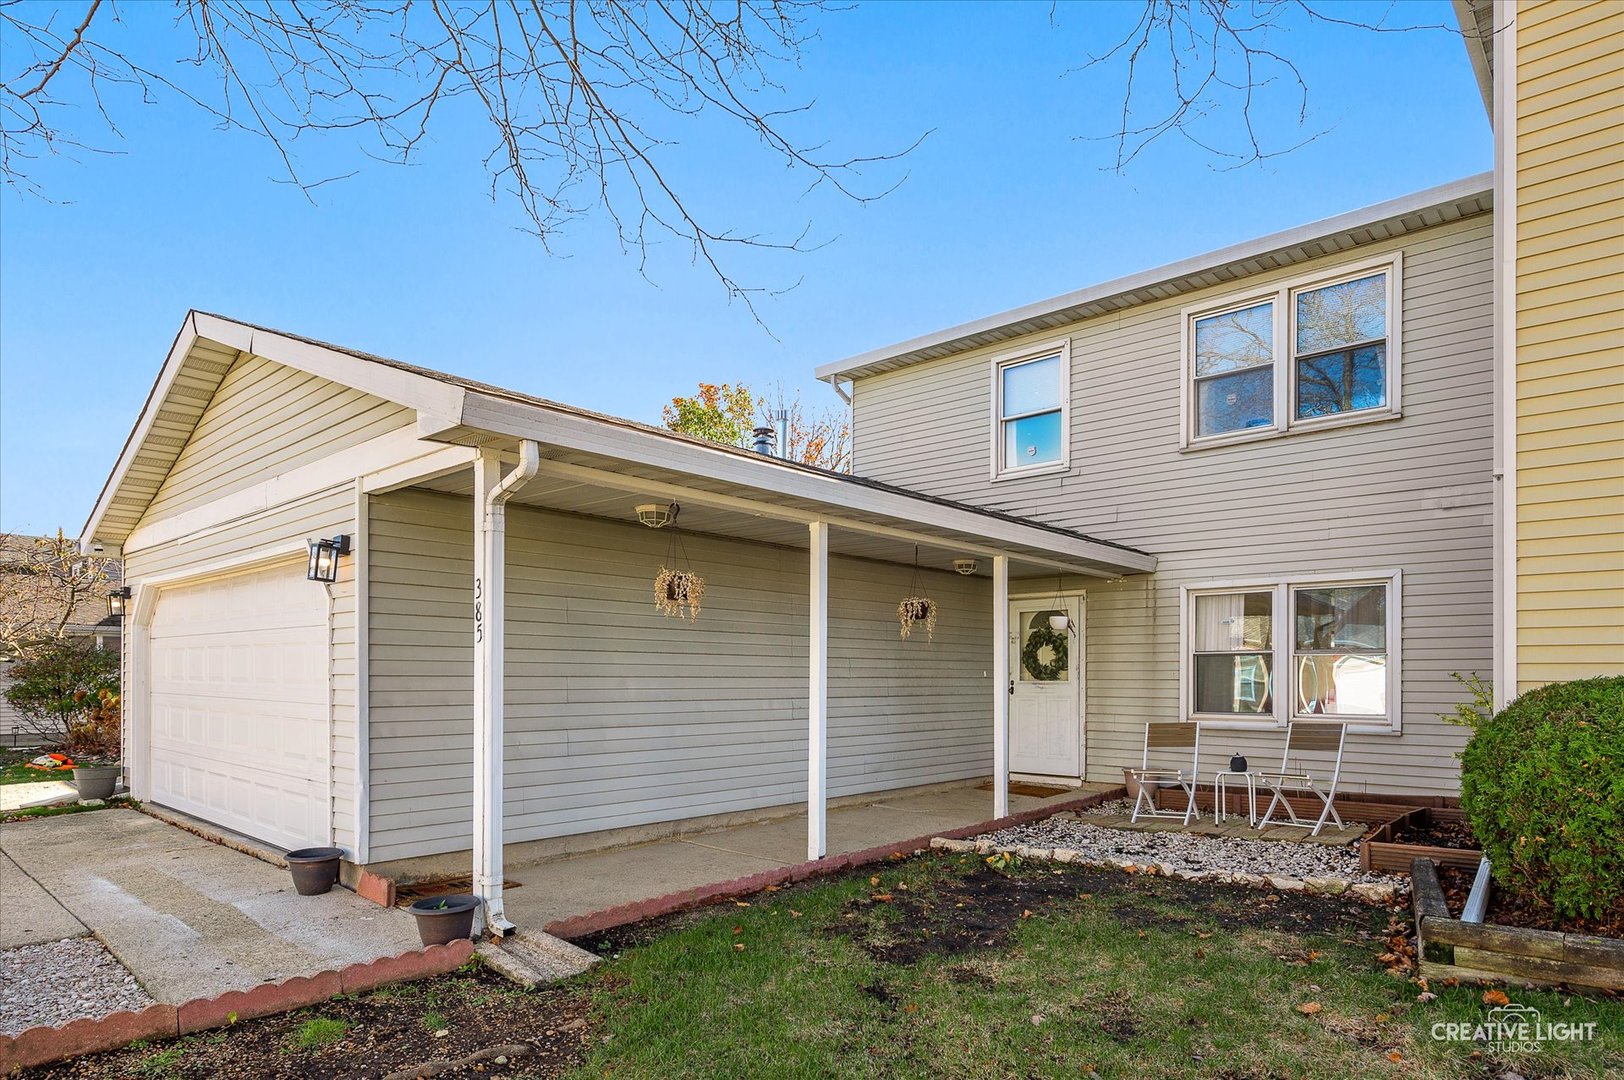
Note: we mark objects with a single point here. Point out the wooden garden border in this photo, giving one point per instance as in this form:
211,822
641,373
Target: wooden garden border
1380,852
1486,952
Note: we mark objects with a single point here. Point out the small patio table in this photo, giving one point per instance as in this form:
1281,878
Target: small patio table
1219,808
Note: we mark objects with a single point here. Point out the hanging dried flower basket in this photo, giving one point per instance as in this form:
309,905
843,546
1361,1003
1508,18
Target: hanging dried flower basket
915,610
675,590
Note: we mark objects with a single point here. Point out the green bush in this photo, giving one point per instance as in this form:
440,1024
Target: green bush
1542,784
61,688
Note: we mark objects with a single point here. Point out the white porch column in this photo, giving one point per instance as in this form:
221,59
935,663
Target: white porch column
817,694
1000,686
491,493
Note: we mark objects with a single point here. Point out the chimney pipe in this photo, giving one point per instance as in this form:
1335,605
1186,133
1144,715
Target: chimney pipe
762,440
782,417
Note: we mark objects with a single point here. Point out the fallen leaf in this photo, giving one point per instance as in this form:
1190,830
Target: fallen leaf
1426,995
741,903
739,946
794,914
881,898
738,929
1203,934
1310,1008
1143,935
875,880
771,888
910,1007
1382,1018
1495,997
1027,913
1394,1055
1201,954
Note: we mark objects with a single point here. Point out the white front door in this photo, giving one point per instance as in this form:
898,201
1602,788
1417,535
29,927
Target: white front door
239,704
1045,714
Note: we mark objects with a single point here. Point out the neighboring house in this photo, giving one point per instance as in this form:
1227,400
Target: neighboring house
1552,77
89,621
1259,484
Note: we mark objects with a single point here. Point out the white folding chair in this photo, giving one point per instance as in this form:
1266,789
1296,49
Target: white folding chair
1306,736
1167,735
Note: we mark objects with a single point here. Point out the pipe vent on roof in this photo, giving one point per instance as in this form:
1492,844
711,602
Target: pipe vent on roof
761,440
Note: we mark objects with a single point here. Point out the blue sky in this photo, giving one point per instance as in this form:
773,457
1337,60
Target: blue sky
1005,202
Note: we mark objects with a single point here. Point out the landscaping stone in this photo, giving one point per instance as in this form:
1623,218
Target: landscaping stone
58,981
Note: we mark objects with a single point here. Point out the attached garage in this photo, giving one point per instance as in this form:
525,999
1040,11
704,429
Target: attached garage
239,704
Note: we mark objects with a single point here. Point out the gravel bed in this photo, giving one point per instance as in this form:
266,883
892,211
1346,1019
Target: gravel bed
1185,851
48,985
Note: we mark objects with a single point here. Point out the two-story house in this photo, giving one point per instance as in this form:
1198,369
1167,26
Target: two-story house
412,615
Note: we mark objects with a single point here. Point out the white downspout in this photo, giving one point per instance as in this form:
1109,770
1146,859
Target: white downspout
1001,686
491,494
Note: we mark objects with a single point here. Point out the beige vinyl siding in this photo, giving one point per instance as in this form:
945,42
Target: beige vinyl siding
617,716
1570,341
265,419
1412,494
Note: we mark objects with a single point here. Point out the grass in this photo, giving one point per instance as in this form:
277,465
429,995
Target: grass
14,769
69,808
160,1065
1088,971
318,1032
434,1021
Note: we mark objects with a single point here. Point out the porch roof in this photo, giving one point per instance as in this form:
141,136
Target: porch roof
593,463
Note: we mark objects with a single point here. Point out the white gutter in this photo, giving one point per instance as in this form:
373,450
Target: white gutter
491,494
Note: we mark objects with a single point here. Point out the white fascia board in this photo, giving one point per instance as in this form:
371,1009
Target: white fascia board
143,426
381,380
552,427
1213,260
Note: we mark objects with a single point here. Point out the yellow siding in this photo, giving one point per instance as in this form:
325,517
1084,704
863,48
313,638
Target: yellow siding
1570,340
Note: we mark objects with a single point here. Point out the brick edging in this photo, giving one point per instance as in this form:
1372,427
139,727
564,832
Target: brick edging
579,926
40,1045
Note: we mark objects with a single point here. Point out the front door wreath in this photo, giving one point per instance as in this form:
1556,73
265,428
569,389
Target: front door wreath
1039,638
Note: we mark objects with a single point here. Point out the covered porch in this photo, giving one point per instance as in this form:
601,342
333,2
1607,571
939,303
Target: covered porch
804,570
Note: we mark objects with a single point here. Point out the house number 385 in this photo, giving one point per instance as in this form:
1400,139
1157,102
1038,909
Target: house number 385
479,610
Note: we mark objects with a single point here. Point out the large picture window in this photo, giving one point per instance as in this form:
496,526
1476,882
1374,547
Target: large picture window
1315,351
1268,651
1030,403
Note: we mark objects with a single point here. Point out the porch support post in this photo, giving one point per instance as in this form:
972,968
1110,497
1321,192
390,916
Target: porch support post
1000,686
491,493
817,697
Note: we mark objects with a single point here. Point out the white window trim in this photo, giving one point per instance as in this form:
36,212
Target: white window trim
1285,364
1284,690
996,364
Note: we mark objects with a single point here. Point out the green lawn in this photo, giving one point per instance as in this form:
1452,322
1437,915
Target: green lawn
1039,971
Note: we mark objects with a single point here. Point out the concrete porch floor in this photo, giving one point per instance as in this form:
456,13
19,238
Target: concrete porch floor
565,886
188,918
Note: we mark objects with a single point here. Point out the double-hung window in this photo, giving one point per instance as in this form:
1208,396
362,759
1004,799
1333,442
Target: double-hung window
1274,650
1313,352
1031,393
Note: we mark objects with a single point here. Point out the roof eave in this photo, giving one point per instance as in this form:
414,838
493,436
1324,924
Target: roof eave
1014,322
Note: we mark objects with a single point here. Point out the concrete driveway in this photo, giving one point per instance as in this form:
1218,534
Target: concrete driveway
188,917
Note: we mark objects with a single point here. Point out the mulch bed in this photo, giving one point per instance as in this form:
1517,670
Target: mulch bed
390,1029
1506,909
1437,833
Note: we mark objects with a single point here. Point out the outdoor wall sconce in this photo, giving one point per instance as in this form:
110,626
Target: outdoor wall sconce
118,602
657,516
965,566
324,558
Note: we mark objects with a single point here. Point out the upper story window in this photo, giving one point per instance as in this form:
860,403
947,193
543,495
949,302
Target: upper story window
1310,353
1031,399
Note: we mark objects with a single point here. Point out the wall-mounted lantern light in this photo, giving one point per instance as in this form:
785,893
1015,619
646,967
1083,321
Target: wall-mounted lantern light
118,602
324,558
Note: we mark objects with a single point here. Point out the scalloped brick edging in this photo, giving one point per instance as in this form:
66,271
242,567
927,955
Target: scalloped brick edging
40,1045
595,922
1369,891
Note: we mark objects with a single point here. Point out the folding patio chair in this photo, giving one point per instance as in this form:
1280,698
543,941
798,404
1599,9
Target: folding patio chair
1167,735
1306,736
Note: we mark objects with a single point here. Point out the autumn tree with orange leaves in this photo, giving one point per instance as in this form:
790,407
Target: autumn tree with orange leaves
727,413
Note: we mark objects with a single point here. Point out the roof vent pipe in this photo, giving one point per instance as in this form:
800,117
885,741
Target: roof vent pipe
762,440
782,416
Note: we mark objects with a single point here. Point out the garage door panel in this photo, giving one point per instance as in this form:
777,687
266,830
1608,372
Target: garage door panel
239,704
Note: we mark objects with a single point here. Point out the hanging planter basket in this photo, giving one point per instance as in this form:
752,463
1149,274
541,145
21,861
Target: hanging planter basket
915,610
678,593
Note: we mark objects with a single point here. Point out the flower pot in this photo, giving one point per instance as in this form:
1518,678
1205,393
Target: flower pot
442,919
1131,783
1237,764
314,869
1059,622
96,781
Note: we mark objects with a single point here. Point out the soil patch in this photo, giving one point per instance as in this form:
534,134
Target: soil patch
978,911
384,1031
1434,833
1509,909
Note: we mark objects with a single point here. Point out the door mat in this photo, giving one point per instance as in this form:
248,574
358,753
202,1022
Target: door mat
1036,791
455,885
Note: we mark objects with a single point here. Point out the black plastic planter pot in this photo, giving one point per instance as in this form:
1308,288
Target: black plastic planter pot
315,869
441,919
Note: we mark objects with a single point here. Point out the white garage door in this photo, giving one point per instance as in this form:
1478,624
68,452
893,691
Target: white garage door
239,704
